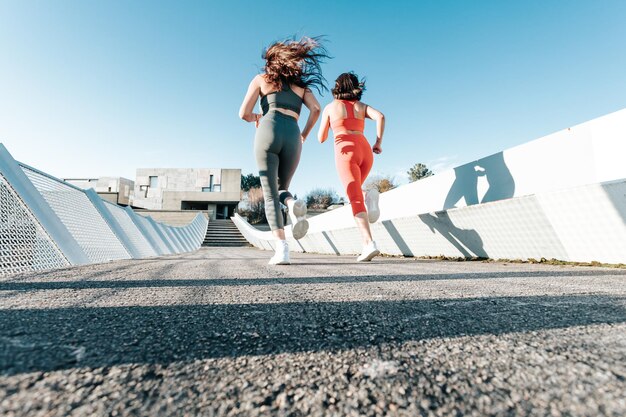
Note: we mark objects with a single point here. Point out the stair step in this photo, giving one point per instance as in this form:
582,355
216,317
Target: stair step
223,232
225,244
225,240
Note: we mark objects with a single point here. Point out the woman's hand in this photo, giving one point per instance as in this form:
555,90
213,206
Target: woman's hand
257,117
377,149
302,138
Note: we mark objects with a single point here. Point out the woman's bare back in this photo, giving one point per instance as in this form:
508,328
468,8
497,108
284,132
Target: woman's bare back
337,110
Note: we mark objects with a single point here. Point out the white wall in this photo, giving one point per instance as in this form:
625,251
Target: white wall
560,196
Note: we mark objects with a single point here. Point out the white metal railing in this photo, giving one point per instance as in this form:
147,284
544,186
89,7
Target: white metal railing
24,244
46,223
530,201
79,216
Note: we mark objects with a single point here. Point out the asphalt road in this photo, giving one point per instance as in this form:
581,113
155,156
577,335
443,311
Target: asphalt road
218,332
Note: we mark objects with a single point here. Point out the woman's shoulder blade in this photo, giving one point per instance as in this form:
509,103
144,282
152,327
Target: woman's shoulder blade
301,91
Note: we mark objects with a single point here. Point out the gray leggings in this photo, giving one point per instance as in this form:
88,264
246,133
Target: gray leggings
277,150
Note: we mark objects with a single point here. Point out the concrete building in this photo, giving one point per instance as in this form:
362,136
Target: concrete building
216,190
117,190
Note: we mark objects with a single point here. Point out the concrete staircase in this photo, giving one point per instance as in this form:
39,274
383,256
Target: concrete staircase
223,232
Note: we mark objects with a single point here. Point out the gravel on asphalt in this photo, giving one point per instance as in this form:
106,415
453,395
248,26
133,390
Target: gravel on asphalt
218,332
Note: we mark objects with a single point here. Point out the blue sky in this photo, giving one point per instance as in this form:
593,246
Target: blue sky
92,89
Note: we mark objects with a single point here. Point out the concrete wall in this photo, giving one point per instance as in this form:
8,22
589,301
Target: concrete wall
110,197
177,185
559,196
231,182
117,190
173,218
172,199
126,191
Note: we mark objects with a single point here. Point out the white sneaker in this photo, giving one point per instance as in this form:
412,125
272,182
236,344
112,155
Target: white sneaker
371,203
297,213
281,257
369,251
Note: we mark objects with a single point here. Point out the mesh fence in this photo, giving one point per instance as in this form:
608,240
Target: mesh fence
24,245
180,238
80,217
171,238
137,239
189,237
156,238
197,230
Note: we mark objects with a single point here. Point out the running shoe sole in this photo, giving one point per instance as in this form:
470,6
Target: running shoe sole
299,224
299,208
299,229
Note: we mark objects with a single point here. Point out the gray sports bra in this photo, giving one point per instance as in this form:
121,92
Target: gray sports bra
283,99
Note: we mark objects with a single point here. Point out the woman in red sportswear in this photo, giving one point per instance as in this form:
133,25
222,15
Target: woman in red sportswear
353,154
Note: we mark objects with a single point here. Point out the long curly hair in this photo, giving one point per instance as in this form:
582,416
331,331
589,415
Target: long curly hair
348,87
296,62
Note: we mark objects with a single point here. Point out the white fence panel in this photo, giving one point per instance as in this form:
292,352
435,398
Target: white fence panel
24,244
561,196
80,217
140,243
46,223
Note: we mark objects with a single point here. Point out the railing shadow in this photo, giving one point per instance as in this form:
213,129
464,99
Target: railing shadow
52,339
467,241
465,186
87,284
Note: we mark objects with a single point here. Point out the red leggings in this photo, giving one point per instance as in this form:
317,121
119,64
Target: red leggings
354,159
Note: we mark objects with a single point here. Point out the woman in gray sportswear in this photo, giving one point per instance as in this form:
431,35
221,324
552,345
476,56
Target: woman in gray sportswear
291,69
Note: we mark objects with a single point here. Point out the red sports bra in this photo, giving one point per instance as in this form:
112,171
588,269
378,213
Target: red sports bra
340,126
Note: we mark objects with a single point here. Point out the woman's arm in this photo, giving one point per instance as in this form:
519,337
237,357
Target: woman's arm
322,134
377,116
245,111
314,112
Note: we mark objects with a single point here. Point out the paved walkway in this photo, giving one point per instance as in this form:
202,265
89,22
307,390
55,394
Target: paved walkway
218,332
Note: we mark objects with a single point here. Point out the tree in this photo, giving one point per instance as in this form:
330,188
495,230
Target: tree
381,183
253,206
250,181
419,171
321,198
